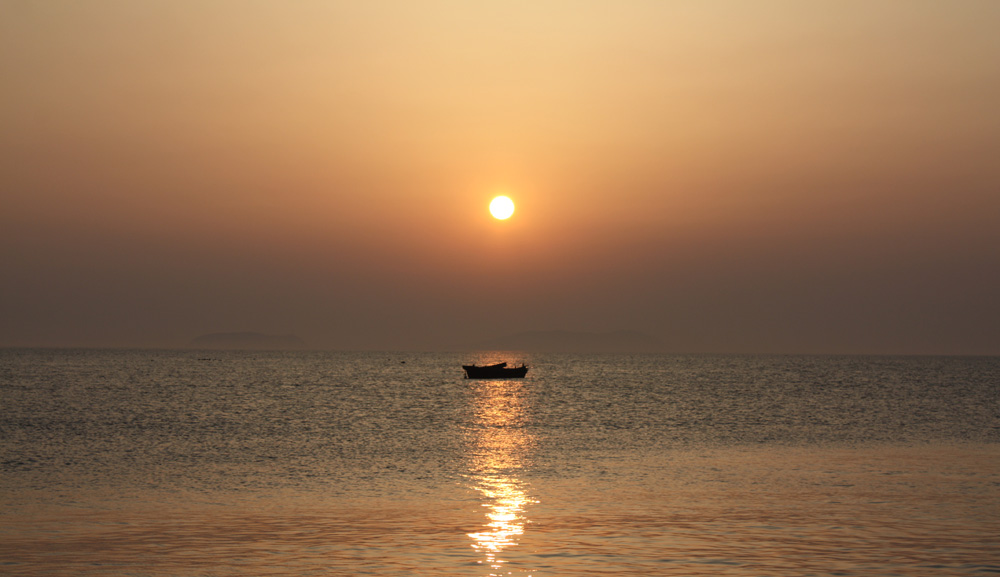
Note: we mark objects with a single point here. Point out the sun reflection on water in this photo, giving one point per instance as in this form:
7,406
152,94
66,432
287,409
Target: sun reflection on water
498,448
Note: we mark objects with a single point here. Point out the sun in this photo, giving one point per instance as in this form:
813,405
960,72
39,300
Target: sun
502,207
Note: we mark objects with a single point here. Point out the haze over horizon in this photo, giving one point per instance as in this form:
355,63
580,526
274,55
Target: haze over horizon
727,177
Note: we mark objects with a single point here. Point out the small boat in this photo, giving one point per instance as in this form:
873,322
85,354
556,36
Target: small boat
497,371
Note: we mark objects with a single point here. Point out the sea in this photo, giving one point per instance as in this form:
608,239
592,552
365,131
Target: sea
170,463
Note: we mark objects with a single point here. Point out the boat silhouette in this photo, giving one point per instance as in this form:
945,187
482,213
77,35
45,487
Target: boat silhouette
497,371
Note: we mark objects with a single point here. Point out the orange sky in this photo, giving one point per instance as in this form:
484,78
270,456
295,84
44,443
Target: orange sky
726,176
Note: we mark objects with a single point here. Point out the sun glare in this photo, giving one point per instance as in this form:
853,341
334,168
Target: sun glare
502,207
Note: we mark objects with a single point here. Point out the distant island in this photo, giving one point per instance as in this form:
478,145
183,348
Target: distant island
575,342
247,340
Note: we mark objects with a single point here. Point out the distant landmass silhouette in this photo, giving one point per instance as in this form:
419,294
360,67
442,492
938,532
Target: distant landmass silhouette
247,340
575,342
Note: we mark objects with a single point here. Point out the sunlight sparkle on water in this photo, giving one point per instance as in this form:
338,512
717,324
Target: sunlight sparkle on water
497,450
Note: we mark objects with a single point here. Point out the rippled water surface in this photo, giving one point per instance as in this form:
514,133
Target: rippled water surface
180,463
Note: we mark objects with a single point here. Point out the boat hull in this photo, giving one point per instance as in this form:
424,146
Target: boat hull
495,372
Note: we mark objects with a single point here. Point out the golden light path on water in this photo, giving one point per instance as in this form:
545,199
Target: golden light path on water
498,447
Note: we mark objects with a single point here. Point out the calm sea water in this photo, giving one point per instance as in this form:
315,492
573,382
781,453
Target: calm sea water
185,463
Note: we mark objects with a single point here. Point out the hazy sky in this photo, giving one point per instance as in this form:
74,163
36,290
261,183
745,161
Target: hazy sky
727,176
